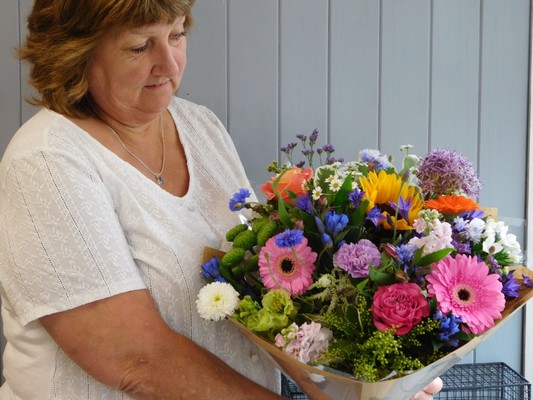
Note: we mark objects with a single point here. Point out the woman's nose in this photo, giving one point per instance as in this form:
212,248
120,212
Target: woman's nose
166,62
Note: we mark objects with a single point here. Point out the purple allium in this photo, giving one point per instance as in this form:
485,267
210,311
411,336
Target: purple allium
237,201
355,258
289,238
445,171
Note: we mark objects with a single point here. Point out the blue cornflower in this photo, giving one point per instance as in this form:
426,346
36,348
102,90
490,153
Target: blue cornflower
356,196
335,223
405,254
375,216
449,326
510,287
211,270
237,201
289,238
305,203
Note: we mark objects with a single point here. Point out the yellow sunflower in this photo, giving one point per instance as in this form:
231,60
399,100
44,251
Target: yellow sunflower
382,188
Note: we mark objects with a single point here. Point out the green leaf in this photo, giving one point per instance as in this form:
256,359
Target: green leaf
434,257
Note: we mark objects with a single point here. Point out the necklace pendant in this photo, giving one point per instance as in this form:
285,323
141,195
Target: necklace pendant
159,180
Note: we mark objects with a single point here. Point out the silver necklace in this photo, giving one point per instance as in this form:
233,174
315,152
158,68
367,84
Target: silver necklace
158,178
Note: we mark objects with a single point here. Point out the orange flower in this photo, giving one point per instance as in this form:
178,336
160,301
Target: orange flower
452,204
292,180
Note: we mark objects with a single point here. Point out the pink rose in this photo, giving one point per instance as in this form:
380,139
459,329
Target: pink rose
291,180
400,305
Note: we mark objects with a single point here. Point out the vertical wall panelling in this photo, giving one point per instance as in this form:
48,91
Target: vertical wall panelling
303,68
455,76
10,76
504,95
405,82
205,79
354,76
527,350
253,65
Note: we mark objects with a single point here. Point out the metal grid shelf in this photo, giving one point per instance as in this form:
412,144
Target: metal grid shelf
488,381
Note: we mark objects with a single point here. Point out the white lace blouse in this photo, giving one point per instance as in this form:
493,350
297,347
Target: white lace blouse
79,224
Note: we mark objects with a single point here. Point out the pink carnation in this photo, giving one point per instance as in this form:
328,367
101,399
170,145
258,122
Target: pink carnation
355,258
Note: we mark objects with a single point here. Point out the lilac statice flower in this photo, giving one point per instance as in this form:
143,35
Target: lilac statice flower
289,238
211,270
355,258
236,203
446,171
449,326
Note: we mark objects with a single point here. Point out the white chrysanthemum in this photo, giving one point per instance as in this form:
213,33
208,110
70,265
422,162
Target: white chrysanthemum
216,301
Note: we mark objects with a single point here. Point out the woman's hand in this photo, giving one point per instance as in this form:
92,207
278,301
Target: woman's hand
428,392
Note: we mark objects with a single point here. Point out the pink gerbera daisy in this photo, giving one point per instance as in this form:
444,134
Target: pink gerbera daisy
464,286
289,268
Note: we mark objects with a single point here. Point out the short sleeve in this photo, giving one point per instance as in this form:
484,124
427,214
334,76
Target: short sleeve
62,242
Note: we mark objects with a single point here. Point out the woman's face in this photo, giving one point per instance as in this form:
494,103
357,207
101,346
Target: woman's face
134,72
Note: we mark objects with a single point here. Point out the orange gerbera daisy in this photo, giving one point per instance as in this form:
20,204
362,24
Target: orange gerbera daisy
382,189
452,204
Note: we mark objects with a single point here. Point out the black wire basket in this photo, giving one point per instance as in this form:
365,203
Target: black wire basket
487,381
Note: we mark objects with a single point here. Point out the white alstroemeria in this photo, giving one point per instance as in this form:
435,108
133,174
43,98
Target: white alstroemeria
490,245
216,301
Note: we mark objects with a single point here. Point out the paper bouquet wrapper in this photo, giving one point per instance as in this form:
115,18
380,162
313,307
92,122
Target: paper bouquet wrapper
320,384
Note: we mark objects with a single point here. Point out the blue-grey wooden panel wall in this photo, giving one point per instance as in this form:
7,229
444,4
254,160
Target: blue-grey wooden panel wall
367,74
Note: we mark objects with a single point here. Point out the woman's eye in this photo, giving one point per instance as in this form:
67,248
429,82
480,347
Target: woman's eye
178,36
139,50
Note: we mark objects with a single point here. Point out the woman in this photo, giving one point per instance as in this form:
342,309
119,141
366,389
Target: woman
108,195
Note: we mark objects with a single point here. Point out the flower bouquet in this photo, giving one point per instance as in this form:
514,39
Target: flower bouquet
362,280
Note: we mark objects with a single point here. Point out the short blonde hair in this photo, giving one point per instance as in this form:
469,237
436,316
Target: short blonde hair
62,37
